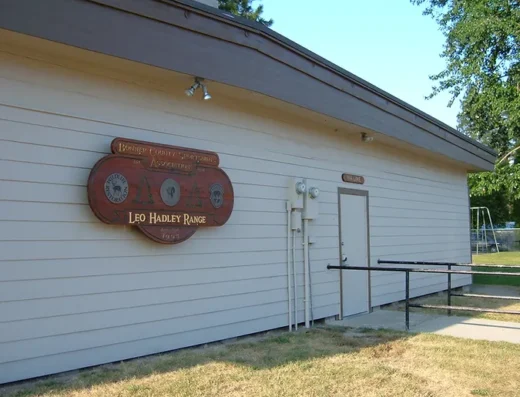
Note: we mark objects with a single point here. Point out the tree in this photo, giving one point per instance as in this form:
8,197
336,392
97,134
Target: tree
244,8
482,53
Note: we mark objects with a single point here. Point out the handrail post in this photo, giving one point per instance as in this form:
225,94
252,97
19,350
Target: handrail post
449,290
407,300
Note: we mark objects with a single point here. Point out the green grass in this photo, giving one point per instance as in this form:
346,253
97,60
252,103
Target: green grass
502,258
319,362
496,280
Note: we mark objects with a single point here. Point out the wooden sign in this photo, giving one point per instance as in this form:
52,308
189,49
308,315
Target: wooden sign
349,178
167,192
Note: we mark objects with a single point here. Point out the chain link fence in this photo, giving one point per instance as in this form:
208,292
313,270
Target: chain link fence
497,240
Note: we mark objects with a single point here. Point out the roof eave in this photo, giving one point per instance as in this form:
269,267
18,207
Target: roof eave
297,76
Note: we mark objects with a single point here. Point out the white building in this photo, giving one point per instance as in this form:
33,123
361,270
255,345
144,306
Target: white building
75,74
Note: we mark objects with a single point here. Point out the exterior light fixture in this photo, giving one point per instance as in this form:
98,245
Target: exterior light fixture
314,192
206,96
198,84
366,138
301,188
190,91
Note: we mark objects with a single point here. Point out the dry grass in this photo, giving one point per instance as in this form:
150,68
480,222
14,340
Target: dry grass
321,362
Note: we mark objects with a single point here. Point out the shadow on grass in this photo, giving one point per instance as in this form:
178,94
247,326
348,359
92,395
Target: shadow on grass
255,353
483,279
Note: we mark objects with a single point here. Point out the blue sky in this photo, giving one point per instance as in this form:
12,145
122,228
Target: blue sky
386,42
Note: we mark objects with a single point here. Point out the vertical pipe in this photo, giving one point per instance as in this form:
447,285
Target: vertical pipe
407,300
478,228
295,281
449,290
306,271
289,281
310,288
493,230
485,230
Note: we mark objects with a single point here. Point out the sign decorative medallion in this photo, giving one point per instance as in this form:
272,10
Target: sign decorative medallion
167,192
116,188
349,178
216,195
170,192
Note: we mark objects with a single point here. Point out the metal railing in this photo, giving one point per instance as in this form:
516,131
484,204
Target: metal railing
450,293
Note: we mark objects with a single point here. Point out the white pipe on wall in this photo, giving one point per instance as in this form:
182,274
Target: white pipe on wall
306,289
289,281
295,281
306,272
310,284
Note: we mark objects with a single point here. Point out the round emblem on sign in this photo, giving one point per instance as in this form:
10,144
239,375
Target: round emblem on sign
216,195
170,192
116,188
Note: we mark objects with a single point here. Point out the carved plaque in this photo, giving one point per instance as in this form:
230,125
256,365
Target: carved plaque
167,192
349,178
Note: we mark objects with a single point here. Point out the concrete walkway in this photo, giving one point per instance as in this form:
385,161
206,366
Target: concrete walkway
462,327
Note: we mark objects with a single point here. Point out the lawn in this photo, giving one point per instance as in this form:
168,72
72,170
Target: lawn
502,258
320,362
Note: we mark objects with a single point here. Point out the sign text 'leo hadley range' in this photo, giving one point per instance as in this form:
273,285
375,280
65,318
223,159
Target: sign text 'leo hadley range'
154,218
165,191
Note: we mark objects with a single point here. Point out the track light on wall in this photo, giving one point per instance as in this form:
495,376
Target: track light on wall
199,83
190,91
366,138
206,96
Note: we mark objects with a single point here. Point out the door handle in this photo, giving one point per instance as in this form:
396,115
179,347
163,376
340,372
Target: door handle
344,259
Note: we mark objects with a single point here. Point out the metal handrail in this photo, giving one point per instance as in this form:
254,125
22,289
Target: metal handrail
509,298
466,309
449,272
450,264
446,264
412,270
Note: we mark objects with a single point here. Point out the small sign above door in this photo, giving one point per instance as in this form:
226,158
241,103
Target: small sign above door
349,178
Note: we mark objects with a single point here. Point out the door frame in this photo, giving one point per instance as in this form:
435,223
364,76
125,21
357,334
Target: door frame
353,192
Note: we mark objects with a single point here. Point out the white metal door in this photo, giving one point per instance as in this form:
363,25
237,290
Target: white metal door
354,247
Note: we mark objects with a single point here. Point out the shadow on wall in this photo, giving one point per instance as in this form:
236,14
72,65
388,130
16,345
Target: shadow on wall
264,351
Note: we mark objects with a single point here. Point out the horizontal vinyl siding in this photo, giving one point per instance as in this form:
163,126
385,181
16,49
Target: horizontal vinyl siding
75,292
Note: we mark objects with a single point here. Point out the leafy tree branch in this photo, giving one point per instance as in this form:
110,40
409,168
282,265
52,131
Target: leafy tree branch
245,9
